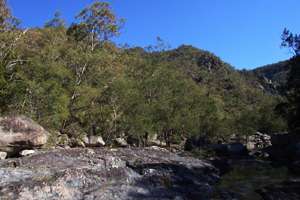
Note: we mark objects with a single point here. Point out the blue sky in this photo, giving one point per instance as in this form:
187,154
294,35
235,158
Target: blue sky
244,33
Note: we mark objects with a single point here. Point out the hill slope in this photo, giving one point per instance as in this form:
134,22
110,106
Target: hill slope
271,78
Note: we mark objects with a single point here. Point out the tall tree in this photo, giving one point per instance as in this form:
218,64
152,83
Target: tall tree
292,41
4,14
7,21
99,22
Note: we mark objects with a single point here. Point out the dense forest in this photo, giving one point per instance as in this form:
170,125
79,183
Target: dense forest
75,81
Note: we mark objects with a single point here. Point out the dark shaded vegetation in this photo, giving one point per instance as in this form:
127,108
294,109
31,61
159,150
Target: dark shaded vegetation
292,106
76,81
246,180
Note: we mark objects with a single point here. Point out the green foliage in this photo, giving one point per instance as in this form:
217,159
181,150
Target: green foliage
75,81
292,41
245,179
96,23
7,21
56,22
293,95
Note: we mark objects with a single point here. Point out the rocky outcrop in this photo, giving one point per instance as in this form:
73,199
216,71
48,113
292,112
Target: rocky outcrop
19,132
108,174
258,141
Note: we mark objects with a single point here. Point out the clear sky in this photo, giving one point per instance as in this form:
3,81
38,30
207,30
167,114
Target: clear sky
244,33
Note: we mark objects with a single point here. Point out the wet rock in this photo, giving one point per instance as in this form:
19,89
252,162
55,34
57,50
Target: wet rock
106,174
27,152
19,132
3,155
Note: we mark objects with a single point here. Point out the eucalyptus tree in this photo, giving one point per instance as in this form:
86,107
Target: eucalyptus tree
96,24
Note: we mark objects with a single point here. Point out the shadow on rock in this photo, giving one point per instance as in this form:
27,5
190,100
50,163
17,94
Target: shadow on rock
173,181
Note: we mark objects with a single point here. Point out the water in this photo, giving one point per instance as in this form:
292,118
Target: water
248,176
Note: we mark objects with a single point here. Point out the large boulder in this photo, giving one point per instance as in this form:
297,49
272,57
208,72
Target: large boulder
106,174
18,133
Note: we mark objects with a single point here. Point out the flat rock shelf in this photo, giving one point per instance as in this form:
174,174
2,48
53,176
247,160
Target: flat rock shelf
106,174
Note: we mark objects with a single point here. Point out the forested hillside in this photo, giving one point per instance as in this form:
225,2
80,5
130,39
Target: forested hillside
271,78
75,81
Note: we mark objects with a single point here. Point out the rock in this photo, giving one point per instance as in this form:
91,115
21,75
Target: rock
76,142
157,143
157,148
154,141
125,173
258,141
19,132
80,144
3,155
63,140
90,151
121,142
27,152
153,137
94,141
85,139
